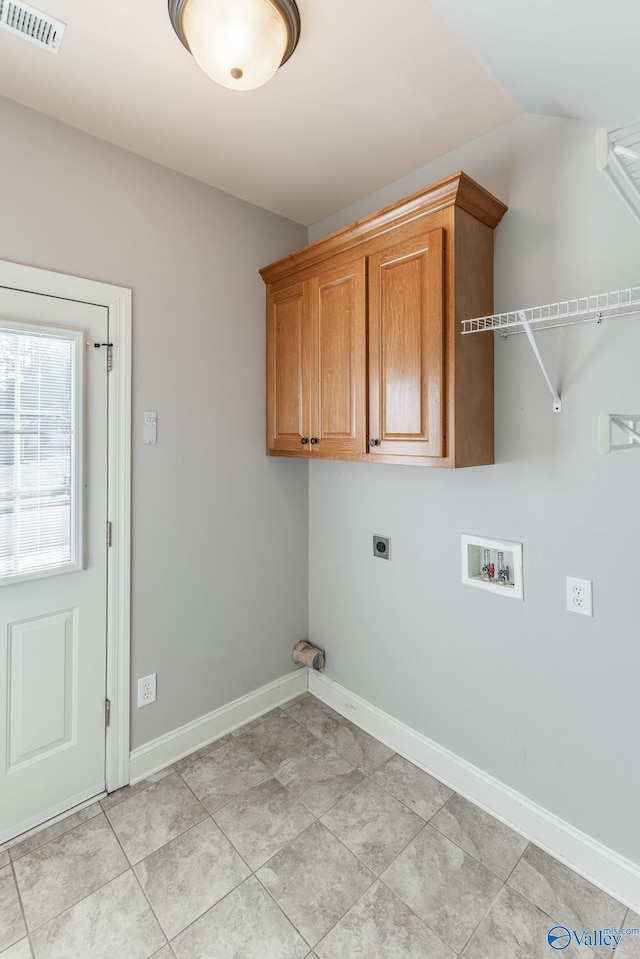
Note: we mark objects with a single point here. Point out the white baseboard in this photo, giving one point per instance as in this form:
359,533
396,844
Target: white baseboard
167,749
611,872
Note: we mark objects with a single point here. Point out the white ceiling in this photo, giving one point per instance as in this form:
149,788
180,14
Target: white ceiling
373,91
566,58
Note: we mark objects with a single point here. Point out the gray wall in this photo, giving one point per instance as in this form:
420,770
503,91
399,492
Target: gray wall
219,531
544,700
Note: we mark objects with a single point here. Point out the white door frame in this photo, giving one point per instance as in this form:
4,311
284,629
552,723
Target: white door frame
118,301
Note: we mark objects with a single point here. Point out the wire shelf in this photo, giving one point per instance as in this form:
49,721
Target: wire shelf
626,424
585,309
625,143
618,157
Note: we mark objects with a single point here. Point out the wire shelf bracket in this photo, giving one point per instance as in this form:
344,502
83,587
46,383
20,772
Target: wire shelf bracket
557,403
618,157
627,423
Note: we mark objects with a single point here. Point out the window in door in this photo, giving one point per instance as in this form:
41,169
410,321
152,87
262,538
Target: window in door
40,450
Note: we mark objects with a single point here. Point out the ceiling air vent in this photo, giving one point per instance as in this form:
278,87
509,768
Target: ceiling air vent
25,21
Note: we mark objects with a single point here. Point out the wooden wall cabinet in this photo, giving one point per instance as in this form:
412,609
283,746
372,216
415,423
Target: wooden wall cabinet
316,354
365,356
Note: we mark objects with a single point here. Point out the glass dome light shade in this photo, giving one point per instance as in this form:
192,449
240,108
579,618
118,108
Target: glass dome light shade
238,43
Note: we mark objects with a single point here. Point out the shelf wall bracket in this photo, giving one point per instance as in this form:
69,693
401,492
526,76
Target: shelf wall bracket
627,423
557,403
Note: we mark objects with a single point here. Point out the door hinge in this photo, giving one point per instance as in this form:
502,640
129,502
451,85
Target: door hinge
107,712
109,532
109,347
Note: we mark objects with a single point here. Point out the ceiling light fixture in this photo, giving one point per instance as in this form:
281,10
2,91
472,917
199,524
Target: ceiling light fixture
238,43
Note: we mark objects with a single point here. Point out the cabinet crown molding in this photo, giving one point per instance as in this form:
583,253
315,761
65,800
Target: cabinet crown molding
457,190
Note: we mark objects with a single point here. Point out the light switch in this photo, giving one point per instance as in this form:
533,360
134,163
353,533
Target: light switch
150,428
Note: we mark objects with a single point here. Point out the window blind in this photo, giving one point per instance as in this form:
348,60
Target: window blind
38,510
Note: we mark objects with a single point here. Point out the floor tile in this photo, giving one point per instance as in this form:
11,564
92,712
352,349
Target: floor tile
165,953
296,699
191,758
348,740
320,778
128,791
514,929
315,880
88,929
11,921
224,774
263,820
247,924
65,870
412,786
357,746
314,715
189,875
374,825
246,727
248,802
21,950
629,947
381,926
201,753
445,886
479,834
155,816
562,894
277,740
36,839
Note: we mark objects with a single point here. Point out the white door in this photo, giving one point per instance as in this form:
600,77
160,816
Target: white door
53,556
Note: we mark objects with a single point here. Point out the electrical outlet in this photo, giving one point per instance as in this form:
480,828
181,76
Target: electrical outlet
579,596
382,547
147,690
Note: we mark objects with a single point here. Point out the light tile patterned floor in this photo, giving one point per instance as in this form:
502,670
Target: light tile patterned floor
297,837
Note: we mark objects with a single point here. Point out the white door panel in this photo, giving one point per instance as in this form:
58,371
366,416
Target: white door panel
53,621
42,719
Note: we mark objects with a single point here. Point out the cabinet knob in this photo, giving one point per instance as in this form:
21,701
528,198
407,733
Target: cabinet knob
314,440
373,442
304,440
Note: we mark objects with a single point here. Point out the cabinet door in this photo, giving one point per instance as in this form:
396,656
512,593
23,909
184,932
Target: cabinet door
406,348
288,370
339,357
